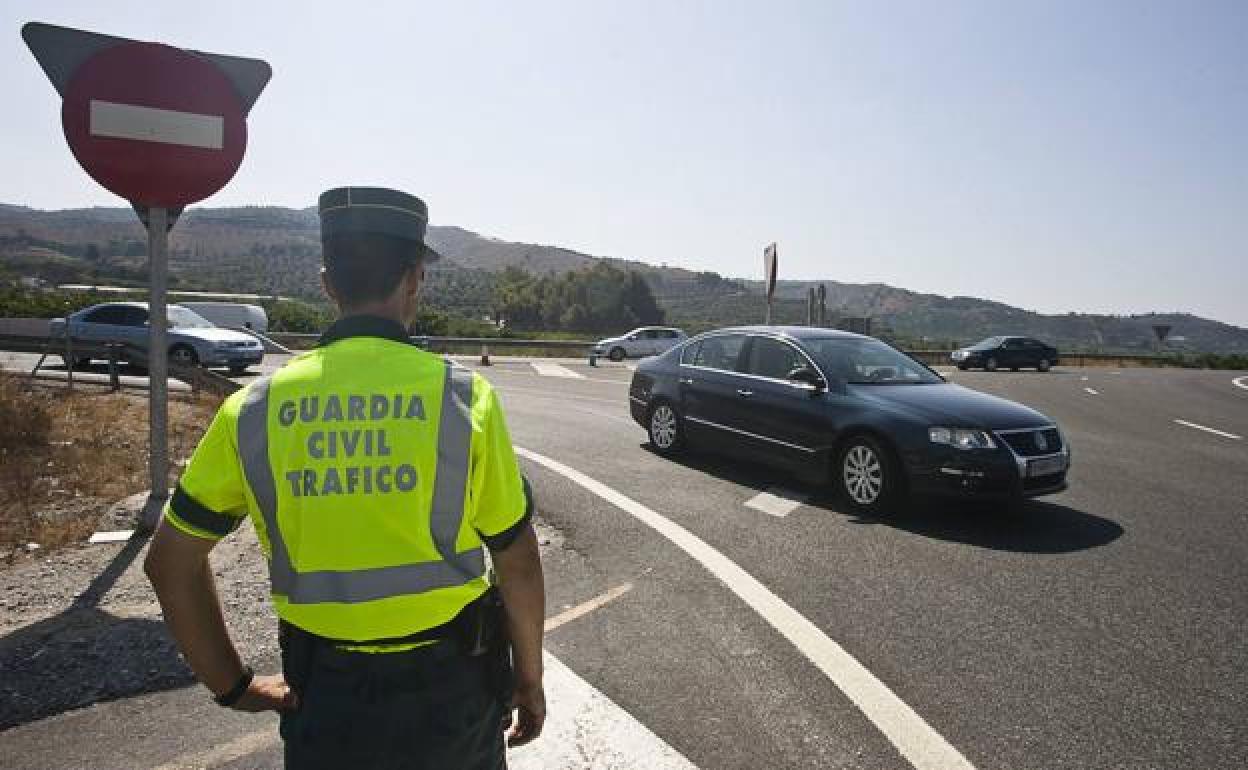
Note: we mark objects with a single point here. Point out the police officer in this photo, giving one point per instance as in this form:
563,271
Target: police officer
377,477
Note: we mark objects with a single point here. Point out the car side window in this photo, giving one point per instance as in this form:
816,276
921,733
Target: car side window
720,352
773,358
106,315
133,316
1013,344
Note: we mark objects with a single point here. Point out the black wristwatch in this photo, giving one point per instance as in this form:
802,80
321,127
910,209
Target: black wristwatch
231,696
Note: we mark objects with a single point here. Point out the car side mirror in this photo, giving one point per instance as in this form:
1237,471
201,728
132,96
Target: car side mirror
804,375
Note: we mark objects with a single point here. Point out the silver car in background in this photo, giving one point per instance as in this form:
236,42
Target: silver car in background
639,343
193,341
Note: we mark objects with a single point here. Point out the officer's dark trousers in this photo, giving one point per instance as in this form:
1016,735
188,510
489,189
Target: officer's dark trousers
428,708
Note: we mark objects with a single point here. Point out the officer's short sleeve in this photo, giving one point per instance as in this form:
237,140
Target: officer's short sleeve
502,500
210,500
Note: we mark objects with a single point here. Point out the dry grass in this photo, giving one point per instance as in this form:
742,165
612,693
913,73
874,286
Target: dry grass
65,457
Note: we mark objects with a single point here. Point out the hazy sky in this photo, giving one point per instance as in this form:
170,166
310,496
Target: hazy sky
1058,156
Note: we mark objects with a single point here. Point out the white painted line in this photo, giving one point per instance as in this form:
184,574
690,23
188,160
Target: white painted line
555,370
1210,430
776,502
585,729
1083,379
116,536
631,367
1240,382
921,746
1093,391
149,124
587,607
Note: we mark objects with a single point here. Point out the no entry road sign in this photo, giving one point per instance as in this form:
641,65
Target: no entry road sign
157,125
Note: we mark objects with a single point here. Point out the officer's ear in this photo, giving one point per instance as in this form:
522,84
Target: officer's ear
413,279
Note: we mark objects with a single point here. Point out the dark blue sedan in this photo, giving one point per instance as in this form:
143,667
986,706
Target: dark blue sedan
836,406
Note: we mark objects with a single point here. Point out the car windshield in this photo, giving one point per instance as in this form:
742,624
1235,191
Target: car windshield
867,362
181,318
988,344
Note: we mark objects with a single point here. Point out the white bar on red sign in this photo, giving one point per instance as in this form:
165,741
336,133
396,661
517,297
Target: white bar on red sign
150,124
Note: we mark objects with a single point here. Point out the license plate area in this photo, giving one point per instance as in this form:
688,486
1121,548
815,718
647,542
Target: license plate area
1046,466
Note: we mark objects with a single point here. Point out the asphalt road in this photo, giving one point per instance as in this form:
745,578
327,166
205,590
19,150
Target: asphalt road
1101,628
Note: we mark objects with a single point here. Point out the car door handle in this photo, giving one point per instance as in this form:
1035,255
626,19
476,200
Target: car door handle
686,380
743,393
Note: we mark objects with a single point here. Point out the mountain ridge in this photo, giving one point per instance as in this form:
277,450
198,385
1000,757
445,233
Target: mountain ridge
276,250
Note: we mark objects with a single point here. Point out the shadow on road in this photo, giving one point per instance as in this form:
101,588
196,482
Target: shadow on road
85,655
1031,526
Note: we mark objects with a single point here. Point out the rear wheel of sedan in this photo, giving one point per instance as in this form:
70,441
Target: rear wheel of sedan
616,354
665,431
1044,365
990,365
183,355
869,476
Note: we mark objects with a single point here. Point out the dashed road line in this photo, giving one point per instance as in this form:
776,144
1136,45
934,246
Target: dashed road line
555,370
917,742
1214,431
776,502
1092,391
585,608
1240,382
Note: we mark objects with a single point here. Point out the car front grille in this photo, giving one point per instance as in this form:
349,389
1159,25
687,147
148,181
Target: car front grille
1033,443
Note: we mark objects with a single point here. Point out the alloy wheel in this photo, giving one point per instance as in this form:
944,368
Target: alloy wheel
863,475
663,430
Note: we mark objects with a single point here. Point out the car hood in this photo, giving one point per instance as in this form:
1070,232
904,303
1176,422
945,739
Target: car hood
951,405
214,334
610,340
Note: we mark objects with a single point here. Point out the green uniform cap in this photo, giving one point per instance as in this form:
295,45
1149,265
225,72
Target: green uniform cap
377,210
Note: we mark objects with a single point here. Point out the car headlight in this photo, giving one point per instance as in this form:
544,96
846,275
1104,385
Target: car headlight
961,438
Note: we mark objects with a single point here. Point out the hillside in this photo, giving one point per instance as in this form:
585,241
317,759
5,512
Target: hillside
272,250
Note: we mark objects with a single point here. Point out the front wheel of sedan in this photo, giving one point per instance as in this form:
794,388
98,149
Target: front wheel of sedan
1044,365
664,427
616,354
869,477
990,365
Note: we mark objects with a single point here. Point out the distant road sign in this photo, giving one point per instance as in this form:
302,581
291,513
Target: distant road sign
769,269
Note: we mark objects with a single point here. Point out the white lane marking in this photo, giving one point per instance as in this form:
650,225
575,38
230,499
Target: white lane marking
115,536
506,388
631,367
922,746
776,502
1240,382
150,124
587,607
1210,430
1083,379
555,370
585,729
1093,391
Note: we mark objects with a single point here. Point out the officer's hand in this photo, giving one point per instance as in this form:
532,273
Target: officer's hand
268,693
530,705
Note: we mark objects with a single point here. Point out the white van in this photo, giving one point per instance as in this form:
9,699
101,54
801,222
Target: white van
232,315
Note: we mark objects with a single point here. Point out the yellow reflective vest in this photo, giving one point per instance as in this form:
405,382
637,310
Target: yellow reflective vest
374,473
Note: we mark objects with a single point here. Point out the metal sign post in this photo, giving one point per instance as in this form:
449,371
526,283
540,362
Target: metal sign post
810,306
769,275
823,305
162,127
157,355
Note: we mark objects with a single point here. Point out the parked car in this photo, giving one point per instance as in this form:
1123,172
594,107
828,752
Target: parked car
1006,352
645,341
851,409
192,339
232,315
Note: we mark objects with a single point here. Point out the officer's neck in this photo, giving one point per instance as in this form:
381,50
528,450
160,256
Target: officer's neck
388,309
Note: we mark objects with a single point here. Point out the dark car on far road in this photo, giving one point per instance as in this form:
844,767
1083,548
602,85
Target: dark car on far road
1006,353
841,406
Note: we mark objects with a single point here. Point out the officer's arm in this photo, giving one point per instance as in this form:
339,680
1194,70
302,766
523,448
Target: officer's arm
177,564
519,569
520,580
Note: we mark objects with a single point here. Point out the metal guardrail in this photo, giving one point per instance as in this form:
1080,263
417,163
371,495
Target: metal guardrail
466,345
71,349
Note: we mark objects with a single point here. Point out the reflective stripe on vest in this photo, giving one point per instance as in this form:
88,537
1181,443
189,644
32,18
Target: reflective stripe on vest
446,516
